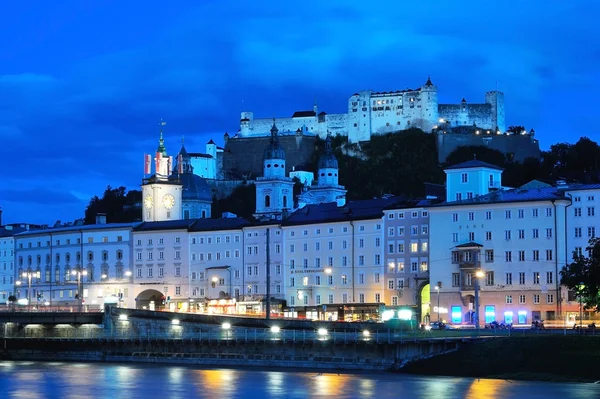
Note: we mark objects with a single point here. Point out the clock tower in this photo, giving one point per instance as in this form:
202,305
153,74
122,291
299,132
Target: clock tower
161,192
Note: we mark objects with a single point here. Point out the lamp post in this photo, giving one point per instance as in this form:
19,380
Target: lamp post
478,274
580,308
79,295
29,276
437,288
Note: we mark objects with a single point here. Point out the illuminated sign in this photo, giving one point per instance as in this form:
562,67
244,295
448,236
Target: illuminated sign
441,309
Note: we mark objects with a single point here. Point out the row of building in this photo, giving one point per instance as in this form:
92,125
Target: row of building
318,256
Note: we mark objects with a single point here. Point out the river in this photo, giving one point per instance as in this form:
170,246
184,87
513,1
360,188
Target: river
32,380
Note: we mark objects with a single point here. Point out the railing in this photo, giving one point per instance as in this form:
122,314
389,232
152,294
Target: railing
468,265
266,335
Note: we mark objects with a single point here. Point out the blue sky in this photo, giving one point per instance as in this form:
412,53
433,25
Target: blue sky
84,83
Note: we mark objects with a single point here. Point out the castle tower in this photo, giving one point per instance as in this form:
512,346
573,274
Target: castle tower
496,99
274,191
429,107
327,188
246,120
161,193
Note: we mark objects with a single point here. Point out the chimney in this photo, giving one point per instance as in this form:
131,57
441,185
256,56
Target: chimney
101,218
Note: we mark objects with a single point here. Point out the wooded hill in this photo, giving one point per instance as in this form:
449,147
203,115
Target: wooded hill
389,164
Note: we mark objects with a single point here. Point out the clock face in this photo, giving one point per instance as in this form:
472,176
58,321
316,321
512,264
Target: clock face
148,201
168,201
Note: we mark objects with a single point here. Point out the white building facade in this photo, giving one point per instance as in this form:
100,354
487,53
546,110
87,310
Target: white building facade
216,264
406,256
333,262
516,238
161,265
79,265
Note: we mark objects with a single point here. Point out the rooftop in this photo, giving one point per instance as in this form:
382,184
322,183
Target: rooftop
87,227
474,163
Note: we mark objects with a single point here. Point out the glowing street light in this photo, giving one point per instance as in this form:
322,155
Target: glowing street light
79,294
28,276
478,274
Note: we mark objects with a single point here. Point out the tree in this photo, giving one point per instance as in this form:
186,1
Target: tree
241,202
583,275
119,205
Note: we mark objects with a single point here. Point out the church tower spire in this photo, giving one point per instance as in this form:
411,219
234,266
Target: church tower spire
274,190
162,192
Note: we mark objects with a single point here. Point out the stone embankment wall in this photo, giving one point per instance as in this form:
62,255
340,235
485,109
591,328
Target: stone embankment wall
153,337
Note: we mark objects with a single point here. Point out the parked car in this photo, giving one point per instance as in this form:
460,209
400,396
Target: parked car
438,325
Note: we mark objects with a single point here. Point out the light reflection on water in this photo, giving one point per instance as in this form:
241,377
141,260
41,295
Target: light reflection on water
33,380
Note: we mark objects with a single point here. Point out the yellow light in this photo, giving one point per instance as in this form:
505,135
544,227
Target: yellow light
328,270
122,317
366,333
479,274
215,279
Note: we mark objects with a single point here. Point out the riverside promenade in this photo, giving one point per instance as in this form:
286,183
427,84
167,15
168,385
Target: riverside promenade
127,335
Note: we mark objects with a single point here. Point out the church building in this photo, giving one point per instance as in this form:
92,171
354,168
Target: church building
274,190
326,188
174,193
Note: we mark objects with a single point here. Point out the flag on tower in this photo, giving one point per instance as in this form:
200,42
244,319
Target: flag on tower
147,164
180,164
157,161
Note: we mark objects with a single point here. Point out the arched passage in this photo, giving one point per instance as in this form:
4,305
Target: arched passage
145,298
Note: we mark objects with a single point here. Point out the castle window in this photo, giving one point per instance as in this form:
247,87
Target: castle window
355,124
203,214
276,165
267,201
329,174
268,165
322,174
285,201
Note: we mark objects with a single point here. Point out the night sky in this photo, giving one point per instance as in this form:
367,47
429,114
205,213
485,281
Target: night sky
84,84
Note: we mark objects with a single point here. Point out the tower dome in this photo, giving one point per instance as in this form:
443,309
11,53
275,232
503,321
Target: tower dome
274,150
195,188
327,159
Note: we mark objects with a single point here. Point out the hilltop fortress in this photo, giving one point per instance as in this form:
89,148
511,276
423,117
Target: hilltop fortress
371,113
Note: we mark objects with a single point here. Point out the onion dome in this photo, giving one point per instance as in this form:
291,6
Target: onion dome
327,159
274,150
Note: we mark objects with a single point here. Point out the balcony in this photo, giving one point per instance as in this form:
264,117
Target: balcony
464,265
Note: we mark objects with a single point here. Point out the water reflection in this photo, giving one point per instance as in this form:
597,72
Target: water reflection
487,388
34,380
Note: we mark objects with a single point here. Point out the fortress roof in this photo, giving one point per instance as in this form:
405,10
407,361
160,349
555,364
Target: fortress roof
303,114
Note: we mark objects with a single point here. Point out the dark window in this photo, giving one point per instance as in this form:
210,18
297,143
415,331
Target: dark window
267,201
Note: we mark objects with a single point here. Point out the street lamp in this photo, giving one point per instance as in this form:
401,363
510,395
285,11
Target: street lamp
437,288
478,274
214,281
28,276
79,294
580,289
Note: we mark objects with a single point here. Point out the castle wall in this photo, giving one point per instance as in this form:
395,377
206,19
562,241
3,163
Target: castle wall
203,165
243,156
466,114
521,146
